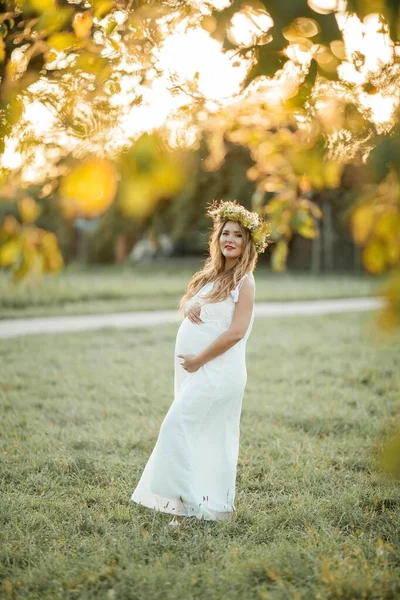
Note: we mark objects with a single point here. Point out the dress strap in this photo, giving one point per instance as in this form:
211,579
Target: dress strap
236,290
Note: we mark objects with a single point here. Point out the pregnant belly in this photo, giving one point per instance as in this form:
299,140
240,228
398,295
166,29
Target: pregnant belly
193,338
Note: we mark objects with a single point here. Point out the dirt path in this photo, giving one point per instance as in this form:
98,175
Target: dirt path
19,327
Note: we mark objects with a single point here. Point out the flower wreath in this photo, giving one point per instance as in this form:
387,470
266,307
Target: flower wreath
233,211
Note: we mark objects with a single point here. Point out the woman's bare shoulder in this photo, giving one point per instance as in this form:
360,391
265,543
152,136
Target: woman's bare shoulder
248,282
250,277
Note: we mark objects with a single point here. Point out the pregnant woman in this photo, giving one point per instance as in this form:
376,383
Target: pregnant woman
192,469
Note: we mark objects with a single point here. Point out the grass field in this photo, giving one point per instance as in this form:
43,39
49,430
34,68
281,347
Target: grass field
88,290
81,414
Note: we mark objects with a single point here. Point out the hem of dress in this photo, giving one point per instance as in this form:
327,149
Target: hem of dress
179,508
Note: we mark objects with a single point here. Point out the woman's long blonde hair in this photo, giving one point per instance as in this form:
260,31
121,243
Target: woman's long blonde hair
213,270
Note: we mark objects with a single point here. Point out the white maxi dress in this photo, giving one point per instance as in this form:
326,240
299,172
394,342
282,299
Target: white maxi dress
192,469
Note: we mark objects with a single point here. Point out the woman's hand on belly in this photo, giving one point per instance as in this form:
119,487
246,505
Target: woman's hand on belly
193,314
190,362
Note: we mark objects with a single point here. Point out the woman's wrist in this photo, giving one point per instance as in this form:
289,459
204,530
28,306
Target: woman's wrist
200,361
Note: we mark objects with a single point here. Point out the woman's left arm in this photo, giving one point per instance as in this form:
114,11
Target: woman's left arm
240,322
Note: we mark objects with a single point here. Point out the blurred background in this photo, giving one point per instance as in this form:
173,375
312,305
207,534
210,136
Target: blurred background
121,121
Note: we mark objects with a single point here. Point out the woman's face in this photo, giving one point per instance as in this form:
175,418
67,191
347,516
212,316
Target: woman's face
231,240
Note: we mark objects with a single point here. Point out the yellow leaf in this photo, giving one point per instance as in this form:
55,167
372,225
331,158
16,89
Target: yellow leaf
54,20
62,41
115,45
103,74
311,207
28,209
317,178
90,187
32,266
390,457
82,24
90,63
374,257
2,50
15,108
10,226
388,225
137,198
307,230
393,250
42,5
302,222
305,184
49,241
362,223
55,263
102,8
168,178
332,173
274,207
50,55
53,260
279,255
10,252
111,25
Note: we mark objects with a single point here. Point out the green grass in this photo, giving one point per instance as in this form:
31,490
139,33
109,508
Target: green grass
88,290
81,414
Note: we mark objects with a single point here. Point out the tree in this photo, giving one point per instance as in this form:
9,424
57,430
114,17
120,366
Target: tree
103,105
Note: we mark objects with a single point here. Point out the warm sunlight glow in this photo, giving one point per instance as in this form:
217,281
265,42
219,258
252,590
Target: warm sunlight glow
207,5
152,112
180,135
11,158
366,41
298,54
187,71
39,116
369,52
249,26
282,86
323,7
176,80
381,107
210,71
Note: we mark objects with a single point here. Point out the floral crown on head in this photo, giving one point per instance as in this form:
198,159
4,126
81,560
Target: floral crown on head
228,210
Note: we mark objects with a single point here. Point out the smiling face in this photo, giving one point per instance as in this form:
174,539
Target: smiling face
231,240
